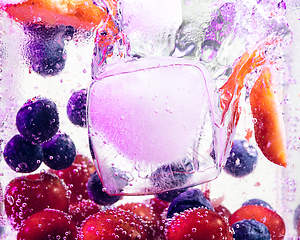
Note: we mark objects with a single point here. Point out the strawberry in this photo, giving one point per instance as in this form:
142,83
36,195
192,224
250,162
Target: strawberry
198,223
269,126
114,224
30,194
144,211
81,210
271,219
76,177
79,14
48,224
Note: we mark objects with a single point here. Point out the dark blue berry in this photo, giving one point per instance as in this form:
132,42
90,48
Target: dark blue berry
242,159
169,196
38,121
172,175
257,202
296,217
96,192
45,49
192,198
76,108
22,156
250,230
59,152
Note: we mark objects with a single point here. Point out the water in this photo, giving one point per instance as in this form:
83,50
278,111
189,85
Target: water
159,154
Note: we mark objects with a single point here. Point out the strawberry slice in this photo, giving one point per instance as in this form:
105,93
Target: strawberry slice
77,13
271,219
269,126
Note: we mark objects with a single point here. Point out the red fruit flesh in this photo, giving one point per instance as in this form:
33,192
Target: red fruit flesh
198,223
79,14
271,219
30,194
269,126
48,224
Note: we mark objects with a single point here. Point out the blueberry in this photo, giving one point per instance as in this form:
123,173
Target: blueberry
169,196
250,230
76,108
172,175
45,49
296,216
192,198
96,192
38,121
22,156
257,202
242,159
59,152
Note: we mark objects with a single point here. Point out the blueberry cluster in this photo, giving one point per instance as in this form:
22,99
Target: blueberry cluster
38,139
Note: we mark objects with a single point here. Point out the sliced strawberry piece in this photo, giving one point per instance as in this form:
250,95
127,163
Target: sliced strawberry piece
269,126
79,14
48,224
198,223
271,219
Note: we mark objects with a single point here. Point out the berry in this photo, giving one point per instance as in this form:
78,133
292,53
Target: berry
271,219
38,121
76,177
22,156
29,194
145,212
250,230
81,210
114,224
97,193
172,175
76,108
169,196
296,217
258,202
192,198
59,152
242,159
48,224
45,49
223,211
198,223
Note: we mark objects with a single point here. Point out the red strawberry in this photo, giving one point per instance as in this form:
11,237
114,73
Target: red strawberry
145,212
160,209
271,219
48,224
76,177
81,210
198,223
114,224
27,195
